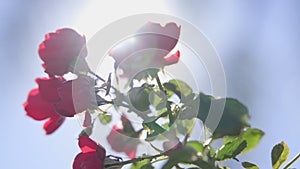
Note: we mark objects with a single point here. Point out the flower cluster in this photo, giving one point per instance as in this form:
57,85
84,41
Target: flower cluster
58,97
54,99
166,109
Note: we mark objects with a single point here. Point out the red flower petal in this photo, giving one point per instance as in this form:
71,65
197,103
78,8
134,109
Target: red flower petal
53,124
88,161
75,97
37,107
174,58
86,144
92,156
48,87
121,140
147,49
60,49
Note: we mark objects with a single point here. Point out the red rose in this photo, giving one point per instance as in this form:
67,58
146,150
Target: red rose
75,96
123,138
40,103
60,50
147,49
92,155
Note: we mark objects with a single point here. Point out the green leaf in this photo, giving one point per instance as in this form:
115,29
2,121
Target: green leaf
190,109
186,155
158,99
252,137
178,87
144,164
86,132
248,165
198,146
231,149
153,130
234,117
280,154
104,118
138,98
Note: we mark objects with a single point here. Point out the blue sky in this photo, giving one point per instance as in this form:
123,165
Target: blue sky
257,43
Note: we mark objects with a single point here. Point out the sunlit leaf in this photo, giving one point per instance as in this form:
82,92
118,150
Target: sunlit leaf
143,164
186,155
231,149
252,137
198,146
234,117
158,99
248,165
178,87
280,154
86,132
104,118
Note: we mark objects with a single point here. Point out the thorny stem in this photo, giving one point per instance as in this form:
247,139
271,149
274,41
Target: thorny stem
293,161
133,160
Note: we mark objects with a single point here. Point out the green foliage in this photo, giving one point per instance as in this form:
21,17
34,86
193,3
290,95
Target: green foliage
186,155
251,135
86,132
248,165
104,118
139,99
280,154
231,149
180,88
198,146
143,164
234,117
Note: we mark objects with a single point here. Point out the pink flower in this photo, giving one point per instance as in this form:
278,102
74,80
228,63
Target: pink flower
148,48
75,96
123,138
60,50
92,155
40,104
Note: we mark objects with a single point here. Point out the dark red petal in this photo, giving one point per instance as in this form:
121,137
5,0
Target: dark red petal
48,88
88,161
75,97
53,124
37,107
86,144
55,67
60,50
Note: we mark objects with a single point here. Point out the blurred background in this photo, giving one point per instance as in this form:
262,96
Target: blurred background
258,44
